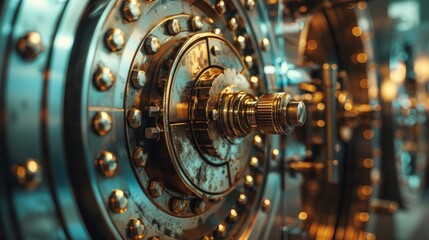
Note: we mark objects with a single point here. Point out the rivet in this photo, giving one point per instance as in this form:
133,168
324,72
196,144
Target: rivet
265,44
220,7
241,42
248,181
134,117
196,23
135,229
266,205
173,27
364,192
257,141
275,154
200,206
177,205
254,162
221,230
102,123
107,164
215,50
115,39
156,188
217,31
214,114
254,80
140,157
233,215
248,60
138,78
232,24
104,79
131,10
250,4
29,174
118,201
30,45
152,45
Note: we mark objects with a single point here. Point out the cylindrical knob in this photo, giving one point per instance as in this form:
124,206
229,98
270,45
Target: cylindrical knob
296,113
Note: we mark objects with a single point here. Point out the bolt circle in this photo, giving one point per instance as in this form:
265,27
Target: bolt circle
104,79
152,45
221,230
115,39
242,199
135,229
134,117
266,205
173,27
131,10
107,164
233,215
29,174
118,201
102,123
30,45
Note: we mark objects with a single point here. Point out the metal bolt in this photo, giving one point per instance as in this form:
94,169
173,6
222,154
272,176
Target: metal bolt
254,162
265,44
215,50
200,206
296,113
29,174
242,199
275,154
257,141
131,10
217,31
104,78
153,111
107,164
152,45
140,157
196,23
221,230
250,4
241,42
134,117
173,27
232,24
254,80
118,201
178,205
214,114
115,39
233,215
152,133
220,7
266,205
102,123
135,229
30,45
156,188
248,181
138,78
248,60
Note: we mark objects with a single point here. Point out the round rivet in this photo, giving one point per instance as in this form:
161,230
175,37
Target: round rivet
196,23
241,42
138,78
177,205
257,141
152,45
265,44
275,154
134,117
233,215
30,45
217,31
248,181
220,7
29,174
107,164
131,10
254,80
156,188
104,78
254,162
135,229
200,206
232,24
115,39
173,27
266,205
140,157
215,50
242,199
118,201
250,4
102,123
248,60
221,230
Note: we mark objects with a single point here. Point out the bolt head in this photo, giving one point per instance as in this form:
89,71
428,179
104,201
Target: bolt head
254,162
221,230
296,113
250,4
232,24
29,174
135,229
107,164
131,10
242,199
173,27
134,117
140,157
241,42
156,188
248,60
265,44
152,45
102,123
30,45
196,23
215,50
118,201
248,181
115,39
178,205
138,78
233,215
266,205
104,79
152,133
220,7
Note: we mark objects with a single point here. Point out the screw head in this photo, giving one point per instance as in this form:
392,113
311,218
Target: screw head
140,157
107,164
138,78
242,199
200,206
241,42
131,10
215,50
196,23
156,188
102,123
104,78
177,205
115,39
221,230
265,44
134,117
220,7
135,229
173,27
233,215
29,174
118,201
30,45
266,205
152,45
232,24
152,133
250,4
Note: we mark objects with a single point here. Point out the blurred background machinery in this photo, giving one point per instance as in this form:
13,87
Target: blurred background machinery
212,119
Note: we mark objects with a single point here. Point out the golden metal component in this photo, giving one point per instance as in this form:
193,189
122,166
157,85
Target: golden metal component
135,229
220,7
173,27
29,174
107,164
248,181
266,205
104,79
241,42
232,24
221,230
140,157
102,123
131,10
118,201
30,45
242,199
115,39
233,215
265,44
